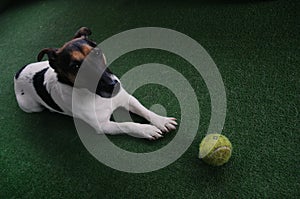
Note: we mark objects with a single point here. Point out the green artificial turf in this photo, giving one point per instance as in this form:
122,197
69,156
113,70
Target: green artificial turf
255,45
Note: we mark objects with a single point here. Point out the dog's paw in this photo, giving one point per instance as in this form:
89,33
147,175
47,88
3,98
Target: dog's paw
147,131
165,124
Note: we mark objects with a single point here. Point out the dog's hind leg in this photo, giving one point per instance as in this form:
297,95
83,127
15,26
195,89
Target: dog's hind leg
24,97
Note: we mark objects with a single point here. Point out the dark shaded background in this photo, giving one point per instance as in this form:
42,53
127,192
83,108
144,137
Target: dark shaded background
255,45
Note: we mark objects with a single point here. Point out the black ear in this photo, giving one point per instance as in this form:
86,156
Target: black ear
83,31
51,52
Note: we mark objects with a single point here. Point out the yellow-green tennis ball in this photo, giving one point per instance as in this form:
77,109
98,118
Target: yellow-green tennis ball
215,149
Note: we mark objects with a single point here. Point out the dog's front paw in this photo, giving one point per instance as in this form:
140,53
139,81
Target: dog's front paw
165,124
147,131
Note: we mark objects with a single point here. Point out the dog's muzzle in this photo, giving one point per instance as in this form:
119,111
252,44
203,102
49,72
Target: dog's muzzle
108,90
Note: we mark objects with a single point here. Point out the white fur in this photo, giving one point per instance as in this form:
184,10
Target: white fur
84,108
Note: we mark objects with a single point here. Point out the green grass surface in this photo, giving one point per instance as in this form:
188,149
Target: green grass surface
256,48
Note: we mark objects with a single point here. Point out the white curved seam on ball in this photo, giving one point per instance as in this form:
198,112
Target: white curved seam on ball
218,149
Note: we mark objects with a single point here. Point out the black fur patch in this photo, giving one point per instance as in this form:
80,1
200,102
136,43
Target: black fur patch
108,90
38,83
19,71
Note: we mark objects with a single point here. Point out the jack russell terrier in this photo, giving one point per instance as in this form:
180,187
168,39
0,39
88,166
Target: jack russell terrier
50,84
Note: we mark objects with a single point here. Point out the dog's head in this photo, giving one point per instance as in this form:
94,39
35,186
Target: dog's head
67,60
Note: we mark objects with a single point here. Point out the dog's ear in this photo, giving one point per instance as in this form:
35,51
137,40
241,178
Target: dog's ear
83,31
51,52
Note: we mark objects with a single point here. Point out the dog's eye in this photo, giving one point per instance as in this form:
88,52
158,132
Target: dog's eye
75,64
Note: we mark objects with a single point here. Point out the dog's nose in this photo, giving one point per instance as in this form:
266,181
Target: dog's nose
108,88
114,82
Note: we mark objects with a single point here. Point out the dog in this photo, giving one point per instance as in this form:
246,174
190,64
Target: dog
50,84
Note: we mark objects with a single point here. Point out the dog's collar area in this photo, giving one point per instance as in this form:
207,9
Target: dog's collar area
64,80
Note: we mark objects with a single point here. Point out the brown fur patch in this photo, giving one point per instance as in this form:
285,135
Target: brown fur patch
86,49
77,55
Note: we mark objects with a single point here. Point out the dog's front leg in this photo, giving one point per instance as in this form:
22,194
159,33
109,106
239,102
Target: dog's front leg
134,129
165,124
103,125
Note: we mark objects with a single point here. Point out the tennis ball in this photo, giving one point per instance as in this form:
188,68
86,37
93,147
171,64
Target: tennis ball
215,149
